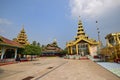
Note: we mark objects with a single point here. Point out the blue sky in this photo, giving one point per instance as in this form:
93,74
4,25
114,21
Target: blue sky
46,20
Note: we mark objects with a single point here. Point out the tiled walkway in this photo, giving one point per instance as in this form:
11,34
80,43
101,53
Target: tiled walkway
55,68
113,67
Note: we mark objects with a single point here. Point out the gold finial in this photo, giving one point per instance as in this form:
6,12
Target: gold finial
23,28
79,20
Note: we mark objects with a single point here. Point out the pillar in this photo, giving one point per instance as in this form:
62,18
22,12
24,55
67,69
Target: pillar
68,50
71,50
89,49
108,43
118,41
3,52
77,49
115,39
15,53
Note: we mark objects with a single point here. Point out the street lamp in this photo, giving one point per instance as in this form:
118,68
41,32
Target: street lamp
98,32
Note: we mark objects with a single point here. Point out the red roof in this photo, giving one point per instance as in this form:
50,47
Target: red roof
6,42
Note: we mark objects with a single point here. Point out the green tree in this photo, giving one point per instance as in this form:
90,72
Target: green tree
32,50
20,52
65,51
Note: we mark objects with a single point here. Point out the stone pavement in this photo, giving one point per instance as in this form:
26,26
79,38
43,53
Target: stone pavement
113,67
54,68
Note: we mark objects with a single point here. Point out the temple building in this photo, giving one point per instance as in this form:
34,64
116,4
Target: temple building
8,48
22,37
112,49
82,45
51,49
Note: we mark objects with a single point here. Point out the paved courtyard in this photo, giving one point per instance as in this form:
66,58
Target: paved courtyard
54,68
113,67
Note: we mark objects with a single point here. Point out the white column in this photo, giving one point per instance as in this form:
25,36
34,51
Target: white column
3,52
15,53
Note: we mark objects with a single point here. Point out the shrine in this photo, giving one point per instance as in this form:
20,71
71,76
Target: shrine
8,48
112,50
82,45
51,49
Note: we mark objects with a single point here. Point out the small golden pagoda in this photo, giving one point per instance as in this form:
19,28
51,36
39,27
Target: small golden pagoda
112,49
22,37
82,45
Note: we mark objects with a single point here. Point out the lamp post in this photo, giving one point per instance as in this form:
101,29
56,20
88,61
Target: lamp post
98,32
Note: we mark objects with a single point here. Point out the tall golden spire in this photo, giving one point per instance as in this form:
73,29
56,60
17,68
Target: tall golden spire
22,37
80,32
23,29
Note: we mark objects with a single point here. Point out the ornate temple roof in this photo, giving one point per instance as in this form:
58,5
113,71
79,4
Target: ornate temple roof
22,37
80,32
6,42
53,47
113,39
112,34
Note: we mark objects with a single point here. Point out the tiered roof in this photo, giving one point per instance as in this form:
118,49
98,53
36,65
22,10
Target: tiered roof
22,37
81,32
53,47
81,36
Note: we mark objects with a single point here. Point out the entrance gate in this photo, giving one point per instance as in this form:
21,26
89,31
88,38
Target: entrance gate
83,49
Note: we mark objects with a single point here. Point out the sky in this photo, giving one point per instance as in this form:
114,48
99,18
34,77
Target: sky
47,20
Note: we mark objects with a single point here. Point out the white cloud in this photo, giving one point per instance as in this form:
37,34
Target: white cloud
92,7
106,12
4,21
